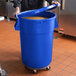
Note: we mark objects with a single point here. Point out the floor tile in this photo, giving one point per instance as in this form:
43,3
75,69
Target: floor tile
63,58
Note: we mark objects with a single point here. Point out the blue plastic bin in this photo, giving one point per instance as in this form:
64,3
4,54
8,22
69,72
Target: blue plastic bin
36,37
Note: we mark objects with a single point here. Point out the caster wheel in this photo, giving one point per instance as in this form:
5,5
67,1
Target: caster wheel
48,68
35,71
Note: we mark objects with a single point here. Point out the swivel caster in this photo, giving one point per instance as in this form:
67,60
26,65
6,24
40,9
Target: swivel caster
35,71
48,68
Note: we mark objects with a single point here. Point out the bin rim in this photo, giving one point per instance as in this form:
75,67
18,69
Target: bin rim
40,19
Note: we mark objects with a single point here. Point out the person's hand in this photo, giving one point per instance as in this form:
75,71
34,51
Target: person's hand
55,2
17,11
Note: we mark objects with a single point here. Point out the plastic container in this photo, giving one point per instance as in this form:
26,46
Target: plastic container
36,37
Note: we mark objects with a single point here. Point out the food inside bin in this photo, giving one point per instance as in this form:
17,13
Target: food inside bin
35,17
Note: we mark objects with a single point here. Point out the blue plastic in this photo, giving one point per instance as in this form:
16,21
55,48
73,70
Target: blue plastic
36,38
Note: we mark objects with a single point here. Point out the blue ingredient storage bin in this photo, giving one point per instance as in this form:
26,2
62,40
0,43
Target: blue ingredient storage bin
36,37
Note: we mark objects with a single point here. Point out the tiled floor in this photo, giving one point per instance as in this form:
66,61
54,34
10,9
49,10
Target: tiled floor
64,54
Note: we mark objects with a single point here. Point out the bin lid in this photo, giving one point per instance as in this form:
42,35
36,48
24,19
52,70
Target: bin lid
50,7
32,12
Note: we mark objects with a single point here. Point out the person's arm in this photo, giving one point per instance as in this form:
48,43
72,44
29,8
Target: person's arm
17,6
53,2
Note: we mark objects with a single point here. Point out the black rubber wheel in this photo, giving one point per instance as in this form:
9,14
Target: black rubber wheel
35,71
48,68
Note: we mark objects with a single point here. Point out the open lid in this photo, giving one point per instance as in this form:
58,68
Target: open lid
32,12
46,8
50,7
